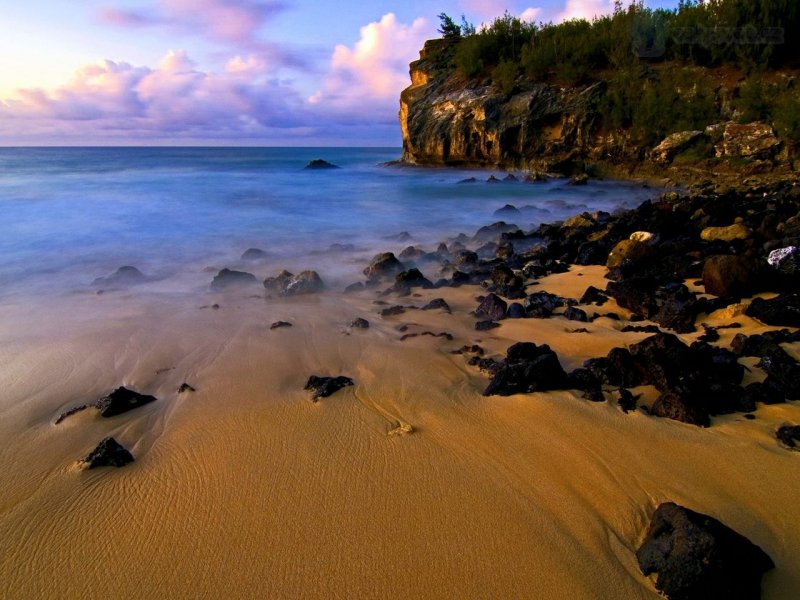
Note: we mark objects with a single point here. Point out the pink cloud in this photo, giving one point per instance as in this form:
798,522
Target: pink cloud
585,9
374,71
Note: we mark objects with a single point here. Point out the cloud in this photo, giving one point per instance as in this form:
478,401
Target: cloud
117,100
235,22
530,14
365,81
585,9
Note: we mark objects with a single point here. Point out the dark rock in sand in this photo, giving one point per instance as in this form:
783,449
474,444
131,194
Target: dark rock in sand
278,283
486,325
459,278
626,401
359,323
640,329
541,305
121,400
280,325
383,265
437,303
575,314
305,282
412,278
185,387
492,307
516,311
123,276
393,310
761,344
322,387
229,278
108,453
730,275
783,372
464,258
781,310
592,295
698,558
507,283
318,165
71,411
254,254
528,368
680,406
789,436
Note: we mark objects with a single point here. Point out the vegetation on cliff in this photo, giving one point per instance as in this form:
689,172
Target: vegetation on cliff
654,71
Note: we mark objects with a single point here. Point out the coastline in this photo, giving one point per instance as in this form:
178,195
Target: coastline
410,481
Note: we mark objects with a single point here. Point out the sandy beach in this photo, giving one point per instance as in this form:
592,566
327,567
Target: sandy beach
245,488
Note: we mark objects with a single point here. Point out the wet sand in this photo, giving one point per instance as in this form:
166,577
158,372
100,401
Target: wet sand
247,489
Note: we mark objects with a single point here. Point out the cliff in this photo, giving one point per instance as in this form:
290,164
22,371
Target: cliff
542,126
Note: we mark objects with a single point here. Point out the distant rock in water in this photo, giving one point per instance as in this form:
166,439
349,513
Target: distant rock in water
383,265
121,400
108,453
508,209
318,164
289,284
322,387
698,558
254,254
227,278
123,276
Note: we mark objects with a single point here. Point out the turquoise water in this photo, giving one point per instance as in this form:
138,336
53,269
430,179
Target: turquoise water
69,215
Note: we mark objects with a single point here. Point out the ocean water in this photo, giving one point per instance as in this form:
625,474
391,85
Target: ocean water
70,215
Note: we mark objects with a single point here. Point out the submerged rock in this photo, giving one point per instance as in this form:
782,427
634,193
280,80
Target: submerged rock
228,277
123,276
253,254
698,558
108,453
121,400
322,387
319,164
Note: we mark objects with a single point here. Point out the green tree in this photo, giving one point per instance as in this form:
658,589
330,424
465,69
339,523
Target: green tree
448,27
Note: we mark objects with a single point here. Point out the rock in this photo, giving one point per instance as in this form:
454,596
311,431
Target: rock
393,310
786,264
354,287
492,307
535,177
469,180
630,254
280,325
508,209
577,222
411,279
437,303
383,265
318,165
108,453
781,310
322,387
729,275
541,305
491,233
185,387
486,325
698,558
359,323
253,254
510,177
465,258
492,179
516,311
411,253
228,278
507,283
123,276
575,314
789,436
751,140
279,283
644,237
737,231
674,144
680,407
528,368
593,295
579,179
121,400
783,372
305,282
626,401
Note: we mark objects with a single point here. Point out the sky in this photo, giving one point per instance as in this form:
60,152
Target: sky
224,72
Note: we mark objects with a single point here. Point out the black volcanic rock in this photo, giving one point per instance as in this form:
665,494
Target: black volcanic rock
359,323
437,303
698,558
528,368
383,265
121,400
228,278
411,278
781,310
319,164
492,307
108,453
322,387
789,436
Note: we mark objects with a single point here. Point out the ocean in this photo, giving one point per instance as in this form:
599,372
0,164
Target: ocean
71,215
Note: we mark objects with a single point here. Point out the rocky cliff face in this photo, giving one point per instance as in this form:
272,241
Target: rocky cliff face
450,122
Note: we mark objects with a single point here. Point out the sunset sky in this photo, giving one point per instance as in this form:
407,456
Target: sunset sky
223,72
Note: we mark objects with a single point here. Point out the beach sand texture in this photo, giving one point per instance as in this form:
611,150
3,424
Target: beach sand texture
247,489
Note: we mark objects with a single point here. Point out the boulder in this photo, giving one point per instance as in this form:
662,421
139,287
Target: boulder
789,436
750,140
730,275
630,254
508,209
492,307
541,305
320,165
528,368
674,144
254,254
680,406
579,179
108,453
696,557
383,265
783,372
437,303
359,323
781,310
737,231
411,279
322,387
123,276
278,283
121,400
486,325
229,278
575,314
305,282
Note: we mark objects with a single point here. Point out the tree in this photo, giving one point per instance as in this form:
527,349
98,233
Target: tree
448,28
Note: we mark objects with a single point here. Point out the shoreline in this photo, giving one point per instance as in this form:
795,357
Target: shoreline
410,470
